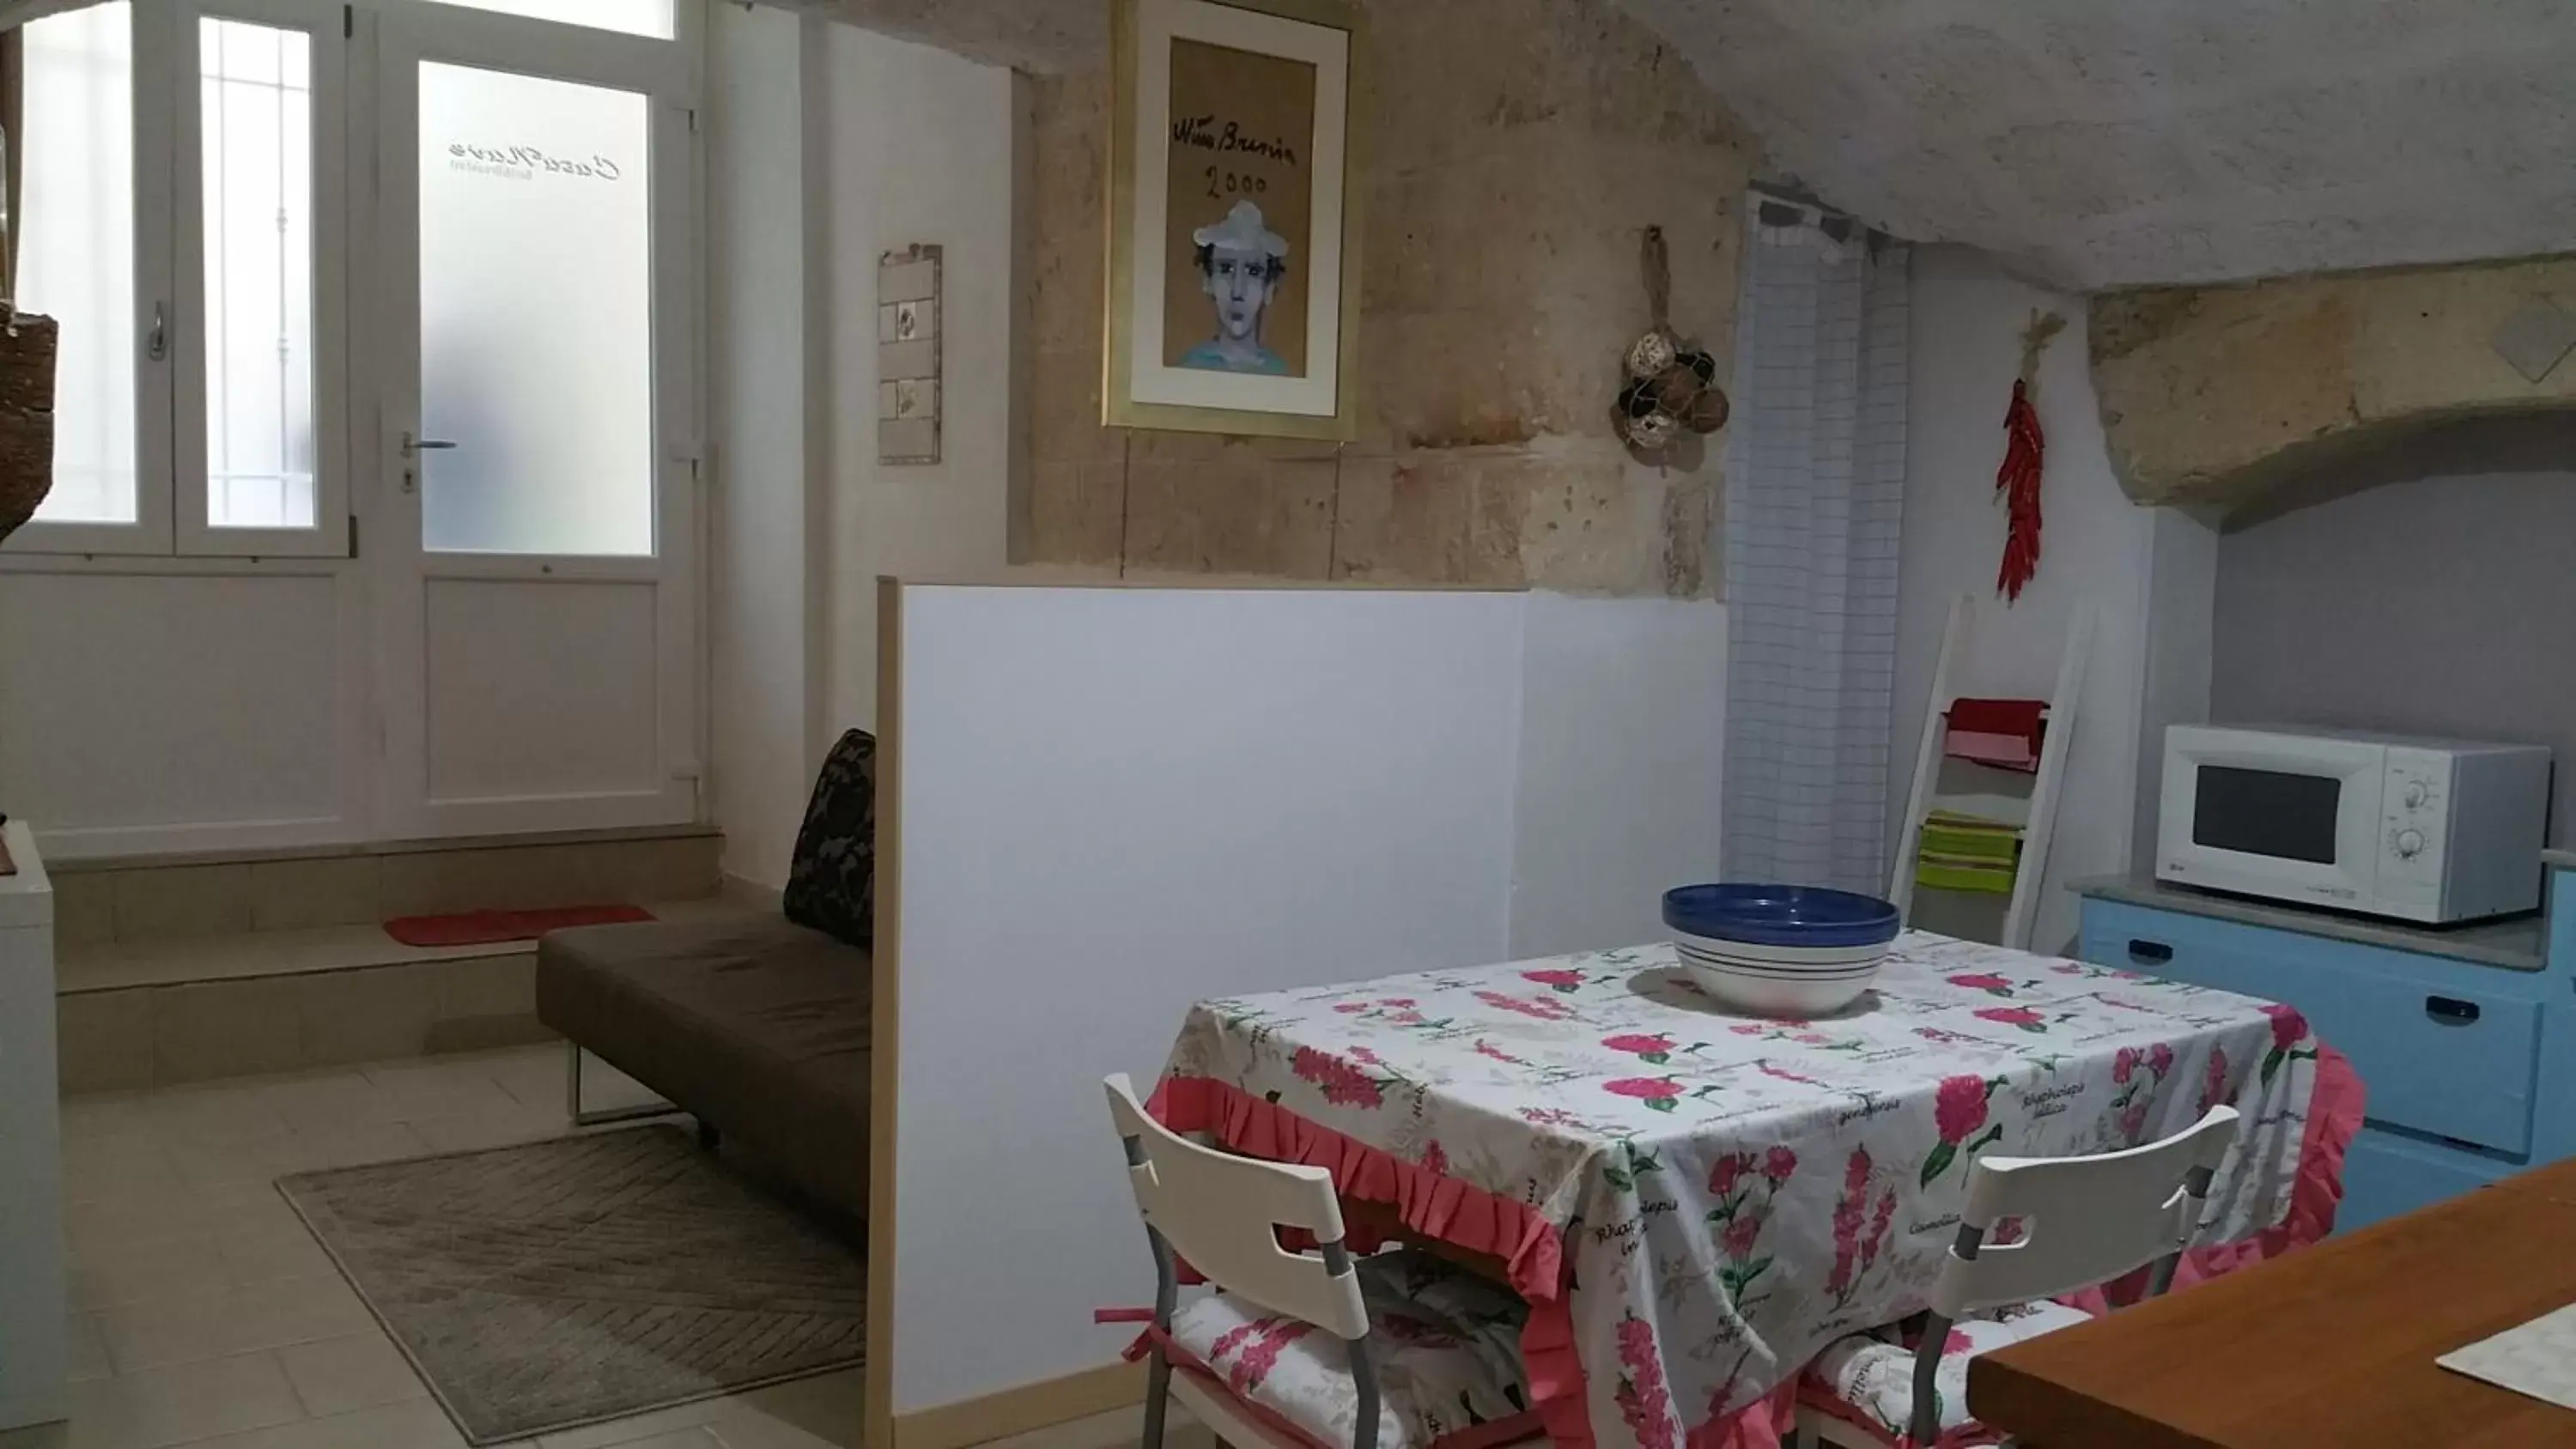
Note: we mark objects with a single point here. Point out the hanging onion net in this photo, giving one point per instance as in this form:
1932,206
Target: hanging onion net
26,417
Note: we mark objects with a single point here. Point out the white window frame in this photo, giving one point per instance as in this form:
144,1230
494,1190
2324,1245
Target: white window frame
668,74
171,463
170,305
154,83
324,22
396,35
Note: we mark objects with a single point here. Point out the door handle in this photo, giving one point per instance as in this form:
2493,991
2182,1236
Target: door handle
412,448
2450,1010
2150,953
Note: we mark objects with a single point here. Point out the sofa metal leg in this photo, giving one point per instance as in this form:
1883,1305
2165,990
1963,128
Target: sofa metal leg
709,1137
572,1097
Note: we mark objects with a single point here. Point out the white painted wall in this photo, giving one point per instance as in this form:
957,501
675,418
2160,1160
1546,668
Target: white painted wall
921,147
829,145
159,705
1116,802
2182,597
761,593
34,1357
2095,545
1622,724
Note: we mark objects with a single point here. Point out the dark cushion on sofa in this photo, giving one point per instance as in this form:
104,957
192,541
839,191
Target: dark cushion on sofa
831,880
752,1023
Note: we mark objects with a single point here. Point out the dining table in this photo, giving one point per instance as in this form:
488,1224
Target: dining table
1693,1201
2336,1346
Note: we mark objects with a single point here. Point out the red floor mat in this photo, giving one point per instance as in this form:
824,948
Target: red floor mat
478,928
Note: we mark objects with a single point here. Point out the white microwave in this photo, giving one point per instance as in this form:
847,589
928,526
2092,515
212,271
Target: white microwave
2415,829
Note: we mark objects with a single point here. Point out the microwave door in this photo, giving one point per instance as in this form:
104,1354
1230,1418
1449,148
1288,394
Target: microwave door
2264,822
2279,815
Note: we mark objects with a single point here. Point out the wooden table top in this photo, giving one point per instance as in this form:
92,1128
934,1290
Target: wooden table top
2330,1346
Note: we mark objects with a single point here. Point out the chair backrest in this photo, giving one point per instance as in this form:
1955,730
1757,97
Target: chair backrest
1220,1213
2085,1220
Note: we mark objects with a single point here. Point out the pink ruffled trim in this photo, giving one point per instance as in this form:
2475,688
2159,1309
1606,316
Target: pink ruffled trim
1430,1203
2334,1115
1453,1212
1555,1370
1763,1424
1489,1435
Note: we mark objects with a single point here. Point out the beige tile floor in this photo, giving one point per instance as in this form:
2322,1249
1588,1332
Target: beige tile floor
203,1314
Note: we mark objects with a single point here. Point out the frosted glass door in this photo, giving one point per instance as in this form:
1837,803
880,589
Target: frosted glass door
536,316
537,434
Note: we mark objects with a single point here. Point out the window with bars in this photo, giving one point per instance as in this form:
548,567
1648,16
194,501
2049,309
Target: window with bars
256,133
186,217
171,228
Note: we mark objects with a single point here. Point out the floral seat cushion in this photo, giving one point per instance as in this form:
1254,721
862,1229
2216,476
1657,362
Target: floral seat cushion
1868,1378
1445,1343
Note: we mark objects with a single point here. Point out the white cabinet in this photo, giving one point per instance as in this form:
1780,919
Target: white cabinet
32,1366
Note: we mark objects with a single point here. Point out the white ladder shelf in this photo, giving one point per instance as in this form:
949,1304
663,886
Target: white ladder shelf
2031,868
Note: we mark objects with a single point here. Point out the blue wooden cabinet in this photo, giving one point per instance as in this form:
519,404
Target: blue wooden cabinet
2468,1069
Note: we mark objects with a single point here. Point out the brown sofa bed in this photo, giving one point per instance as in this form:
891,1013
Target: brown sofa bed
756,1025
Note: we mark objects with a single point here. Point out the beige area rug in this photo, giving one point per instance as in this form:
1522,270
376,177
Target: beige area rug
564,1282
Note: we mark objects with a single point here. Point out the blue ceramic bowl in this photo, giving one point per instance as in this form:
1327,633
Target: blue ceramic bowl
1780,915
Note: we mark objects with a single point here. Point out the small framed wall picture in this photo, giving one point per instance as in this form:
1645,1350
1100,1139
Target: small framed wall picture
908,355
1233,219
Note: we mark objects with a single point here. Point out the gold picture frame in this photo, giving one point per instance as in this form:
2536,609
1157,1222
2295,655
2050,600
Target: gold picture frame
1234,220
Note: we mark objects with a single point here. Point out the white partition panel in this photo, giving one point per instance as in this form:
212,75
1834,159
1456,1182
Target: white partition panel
1115,802
1623,723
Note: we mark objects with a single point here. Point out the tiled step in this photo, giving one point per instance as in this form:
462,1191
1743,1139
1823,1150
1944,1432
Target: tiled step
163,1012
141,901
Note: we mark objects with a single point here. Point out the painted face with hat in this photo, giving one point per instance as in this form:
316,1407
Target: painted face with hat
1240,263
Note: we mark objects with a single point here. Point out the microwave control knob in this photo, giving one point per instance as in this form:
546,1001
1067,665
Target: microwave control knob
2410,843
2415,793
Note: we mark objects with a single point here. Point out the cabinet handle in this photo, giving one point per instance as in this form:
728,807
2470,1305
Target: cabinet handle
2450,1010
2150,953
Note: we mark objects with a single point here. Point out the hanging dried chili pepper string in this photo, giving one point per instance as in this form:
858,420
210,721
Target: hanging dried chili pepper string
2018,481
2025,450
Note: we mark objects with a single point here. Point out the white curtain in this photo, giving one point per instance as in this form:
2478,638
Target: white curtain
1815,491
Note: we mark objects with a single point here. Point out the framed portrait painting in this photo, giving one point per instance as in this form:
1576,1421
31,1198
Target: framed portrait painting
1233,234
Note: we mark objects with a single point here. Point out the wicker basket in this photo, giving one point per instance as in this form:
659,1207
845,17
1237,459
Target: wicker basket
26,417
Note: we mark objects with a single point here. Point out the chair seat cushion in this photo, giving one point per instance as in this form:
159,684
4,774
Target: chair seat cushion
1868,1378
1445,1343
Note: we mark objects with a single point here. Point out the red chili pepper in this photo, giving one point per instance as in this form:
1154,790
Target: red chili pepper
2018,481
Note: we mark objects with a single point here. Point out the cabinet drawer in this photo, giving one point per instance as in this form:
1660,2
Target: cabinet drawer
2385,1175
2442,1047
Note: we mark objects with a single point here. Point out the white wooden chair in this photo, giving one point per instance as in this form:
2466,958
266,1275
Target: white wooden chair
1422,1368
2085,1220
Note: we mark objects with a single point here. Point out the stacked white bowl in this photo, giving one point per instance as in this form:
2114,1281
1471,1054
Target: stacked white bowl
1776,950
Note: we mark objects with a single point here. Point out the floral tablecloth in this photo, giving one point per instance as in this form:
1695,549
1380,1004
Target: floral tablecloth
1695,1202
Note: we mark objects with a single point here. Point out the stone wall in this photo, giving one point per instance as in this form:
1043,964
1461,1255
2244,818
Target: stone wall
2227,398
1516,149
